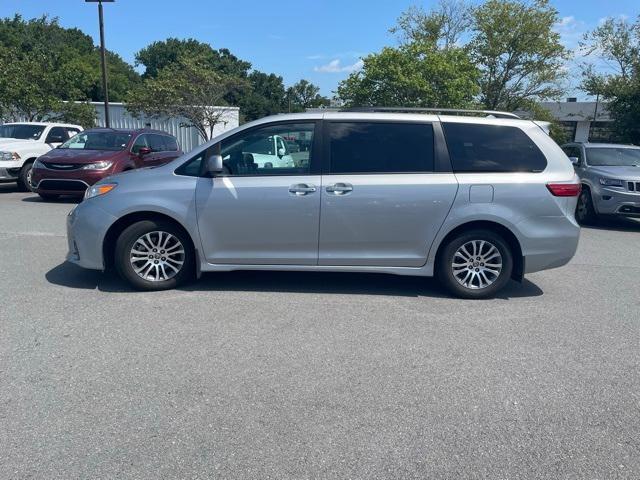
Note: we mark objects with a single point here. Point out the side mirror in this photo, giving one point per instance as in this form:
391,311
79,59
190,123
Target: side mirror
213,166
575,161
281,152
144,151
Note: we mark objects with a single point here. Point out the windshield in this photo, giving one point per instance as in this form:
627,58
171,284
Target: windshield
113,141
613,157
21,131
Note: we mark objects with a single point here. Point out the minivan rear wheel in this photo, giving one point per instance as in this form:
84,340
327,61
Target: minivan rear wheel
154,255
475,264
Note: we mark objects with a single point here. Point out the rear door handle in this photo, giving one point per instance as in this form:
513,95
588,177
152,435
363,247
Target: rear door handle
340,188
301,189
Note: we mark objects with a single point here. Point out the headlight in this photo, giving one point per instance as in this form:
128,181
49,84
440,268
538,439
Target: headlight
99,189
97,166
38,164
8,156
611,182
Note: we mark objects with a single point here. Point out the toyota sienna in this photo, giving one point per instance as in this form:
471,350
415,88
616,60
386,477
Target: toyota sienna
474,200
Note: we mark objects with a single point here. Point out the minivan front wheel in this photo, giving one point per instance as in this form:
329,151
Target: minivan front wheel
475,264
154,255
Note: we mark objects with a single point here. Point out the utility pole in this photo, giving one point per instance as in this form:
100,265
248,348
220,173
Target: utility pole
103,56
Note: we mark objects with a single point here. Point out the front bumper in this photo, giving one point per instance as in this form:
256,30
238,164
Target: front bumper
9,171
616,201
58,182
87,225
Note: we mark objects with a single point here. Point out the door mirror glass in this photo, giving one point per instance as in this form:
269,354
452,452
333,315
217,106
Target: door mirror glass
144,151
213,166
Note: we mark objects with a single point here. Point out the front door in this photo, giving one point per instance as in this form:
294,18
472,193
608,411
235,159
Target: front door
382,201
258,213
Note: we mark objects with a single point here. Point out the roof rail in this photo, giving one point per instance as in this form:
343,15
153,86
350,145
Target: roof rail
453,111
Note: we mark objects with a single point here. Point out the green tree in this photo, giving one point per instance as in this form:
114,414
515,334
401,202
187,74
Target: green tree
161,54
443,26
188,89
303,95
266,96
617,42
70,51
519,53
413,75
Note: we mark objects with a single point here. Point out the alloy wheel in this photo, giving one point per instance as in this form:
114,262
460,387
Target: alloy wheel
476,264
157,256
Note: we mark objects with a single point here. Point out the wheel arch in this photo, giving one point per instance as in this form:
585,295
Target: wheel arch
503,231
114,231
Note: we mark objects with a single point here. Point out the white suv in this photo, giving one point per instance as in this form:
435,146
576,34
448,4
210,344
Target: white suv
22,143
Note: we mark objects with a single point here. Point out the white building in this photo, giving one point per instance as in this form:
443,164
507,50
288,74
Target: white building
583,121
187,137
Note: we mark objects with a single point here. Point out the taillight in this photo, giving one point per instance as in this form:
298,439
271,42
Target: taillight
564,189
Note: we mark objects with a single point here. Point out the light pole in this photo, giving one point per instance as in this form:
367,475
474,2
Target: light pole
104,60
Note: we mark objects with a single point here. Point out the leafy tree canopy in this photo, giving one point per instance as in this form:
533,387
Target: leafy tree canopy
617,42
413,75
61,65
189,89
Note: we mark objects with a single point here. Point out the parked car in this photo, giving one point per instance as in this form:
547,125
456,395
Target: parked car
95,154
22,143
476,201
610,176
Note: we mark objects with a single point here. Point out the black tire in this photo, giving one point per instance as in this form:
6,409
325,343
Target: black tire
49,196
128,239
585,211
445,260
24,175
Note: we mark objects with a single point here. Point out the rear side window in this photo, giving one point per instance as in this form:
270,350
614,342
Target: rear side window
361,147
492,148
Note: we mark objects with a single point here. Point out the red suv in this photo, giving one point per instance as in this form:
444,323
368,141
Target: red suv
97,153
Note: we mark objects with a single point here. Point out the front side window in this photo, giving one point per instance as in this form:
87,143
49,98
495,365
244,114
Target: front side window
112,141
263,151
156,142
492,148
363,147
613,157
573,152
21,131
141,142
57,135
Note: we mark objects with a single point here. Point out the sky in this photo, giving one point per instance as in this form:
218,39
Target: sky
320,40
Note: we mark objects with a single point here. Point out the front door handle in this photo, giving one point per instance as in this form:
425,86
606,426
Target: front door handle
301,189
340,188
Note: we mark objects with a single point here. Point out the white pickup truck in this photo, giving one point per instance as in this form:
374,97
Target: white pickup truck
22,143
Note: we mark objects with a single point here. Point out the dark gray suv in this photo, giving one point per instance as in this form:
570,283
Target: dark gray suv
610,176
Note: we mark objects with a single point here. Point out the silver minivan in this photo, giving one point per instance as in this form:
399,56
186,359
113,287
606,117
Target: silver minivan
474,200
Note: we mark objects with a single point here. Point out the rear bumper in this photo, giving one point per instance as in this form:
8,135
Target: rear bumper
87,226
548,242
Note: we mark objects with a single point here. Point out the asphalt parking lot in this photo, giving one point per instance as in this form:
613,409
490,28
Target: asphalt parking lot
298,375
